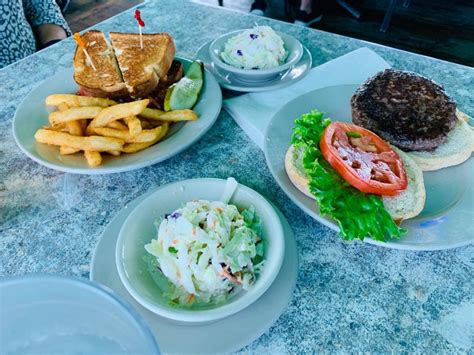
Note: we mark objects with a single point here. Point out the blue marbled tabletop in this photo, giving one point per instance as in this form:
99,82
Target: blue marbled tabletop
350,297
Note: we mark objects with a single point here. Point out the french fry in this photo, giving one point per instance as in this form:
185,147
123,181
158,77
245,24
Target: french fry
93,158
151,113
170,116
146,124
136,147
74,113
65,150
74,127
58,128
93,143
115,153
62,107
179,115
77,101
83,124
144,136
134,125
117,125
97,125
117,112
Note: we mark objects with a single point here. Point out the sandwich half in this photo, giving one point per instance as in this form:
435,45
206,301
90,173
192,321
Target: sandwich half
143,68
106,79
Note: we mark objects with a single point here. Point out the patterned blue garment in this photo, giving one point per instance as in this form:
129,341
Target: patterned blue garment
17,20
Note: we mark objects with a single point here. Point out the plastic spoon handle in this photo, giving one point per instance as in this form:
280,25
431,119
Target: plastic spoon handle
229,189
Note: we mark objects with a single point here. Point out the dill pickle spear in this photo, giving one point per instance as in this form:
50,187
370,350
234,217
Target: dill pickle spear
184,94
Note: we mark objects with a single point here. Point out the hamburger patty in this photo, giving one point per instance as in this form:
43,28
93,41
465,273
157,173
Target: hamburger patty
406,109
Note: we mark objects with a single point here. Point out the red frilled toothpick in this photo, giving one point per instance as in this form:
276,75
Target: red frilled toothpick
141,24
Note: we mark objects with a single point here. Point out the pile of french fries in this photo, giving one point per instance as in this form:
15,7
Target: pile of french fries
96,125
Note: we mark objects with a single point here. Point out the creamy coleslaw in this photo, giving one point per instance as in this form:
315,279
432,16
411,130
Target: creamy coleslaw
256,48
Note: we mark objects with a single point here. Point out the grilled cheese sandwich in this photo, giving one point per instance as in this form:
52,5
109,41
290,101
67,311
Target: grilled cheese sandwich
123,68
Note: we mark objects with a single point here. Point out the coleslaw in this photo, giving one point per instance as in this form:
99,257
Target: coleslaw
256,48
206,252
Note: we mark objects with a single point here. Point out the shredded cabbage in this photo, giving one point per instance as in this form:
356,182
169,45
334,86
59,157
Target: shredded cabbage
206,252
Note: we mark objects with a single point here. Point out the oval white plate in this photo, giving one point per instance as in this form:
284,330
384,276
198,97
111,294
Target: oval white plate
226,335
32,115
229,81
445,222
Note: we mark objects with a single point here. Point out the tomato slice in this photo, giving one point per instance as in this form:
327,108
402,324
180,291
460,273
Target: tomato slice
363,159
83,92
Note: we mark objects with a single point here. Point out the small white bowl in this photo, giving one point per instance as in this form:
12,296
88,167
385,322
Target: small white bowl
291,44
139,229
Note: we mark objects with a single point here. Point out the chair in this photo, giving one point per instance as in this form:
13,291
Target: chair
389,13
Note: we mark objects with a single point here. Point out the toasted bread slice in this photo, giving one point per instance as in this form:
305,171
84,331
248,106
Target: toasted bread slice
407,204
106,80
142,68
455,150
294,169
411,201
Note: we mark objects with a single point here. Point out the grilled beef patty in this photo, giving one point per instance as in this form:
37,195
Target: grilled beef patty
406,109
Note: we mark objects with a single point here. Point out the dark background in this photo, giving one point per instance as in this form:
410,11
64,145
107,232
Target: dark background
442,29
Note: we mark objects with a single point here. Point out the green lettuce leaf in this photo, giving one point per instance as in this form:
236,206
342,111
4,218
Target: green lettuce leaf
358,214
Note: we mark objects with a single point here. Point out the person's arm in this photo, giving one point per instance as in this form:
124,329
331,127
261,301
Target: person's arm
48,34
47,21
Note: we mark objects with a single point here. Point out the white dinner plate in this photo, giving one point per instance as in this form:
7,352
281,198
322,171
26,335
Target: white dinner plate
32,114
446,220
229,81
227,335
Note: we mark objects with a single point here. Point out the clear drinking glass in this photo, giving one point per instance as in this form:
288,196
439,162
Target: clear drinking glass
61,315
